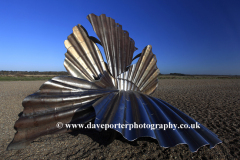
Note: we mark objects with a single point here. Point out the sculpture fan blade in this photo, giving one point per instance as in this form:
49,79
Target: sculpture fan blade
62,99
117,44
131,107
83,57
141,76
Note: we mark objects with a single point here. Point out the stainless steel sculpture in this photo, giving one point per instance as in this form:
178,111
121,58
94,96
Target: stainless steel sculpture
109,93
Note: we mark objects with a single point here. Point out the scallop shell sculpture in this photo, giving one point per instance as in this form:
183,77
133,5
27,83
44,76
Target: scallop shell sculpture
108,93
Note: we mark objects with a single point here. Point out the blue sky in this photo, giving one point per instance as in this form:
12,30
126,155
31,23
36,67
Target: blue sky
187,36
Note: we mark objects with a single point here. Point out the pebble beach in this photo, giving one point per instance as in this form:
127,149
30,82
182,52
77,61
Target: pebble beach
215,103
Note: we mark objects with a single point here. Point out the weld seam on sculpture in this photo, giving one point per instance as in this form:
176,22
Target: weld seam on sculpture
108,93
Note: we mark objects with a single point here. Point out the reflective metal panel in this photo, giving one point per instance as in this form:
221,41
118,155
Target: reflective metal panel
130,107
58,100
117,44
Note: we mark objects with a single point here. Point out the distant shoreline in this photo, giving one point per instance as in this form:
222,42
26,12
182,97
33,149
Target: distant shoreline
35,76
57,73
54,73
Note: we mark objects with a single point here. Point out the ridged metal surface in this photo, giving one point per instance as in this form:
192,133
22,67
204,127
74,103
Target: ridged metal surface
141,76
127,107
83,57
61,99
113,92
117,44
